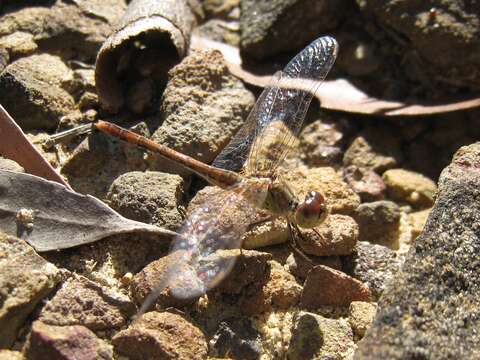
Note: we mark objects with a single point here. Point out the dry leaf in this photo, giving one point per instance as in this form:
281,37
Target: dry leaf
14,145
50,217
340,94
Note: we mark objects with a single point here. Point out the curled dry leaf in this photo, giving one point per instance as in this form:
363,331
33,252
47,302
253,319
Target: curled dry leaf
151,37
341,94
14,145
50,217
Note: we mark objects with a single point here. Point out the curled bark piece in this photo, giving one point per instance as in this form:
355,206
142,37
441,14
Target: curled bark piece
151,37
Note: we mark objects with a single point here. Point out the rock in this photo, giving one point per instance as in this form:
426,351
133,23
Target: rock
18,44
162,335
417,221
299,266
374,265
11,355
377,150
31,91
432,309
359,57
379,223
220,30
325,286
83,25
25,279
365,182
411,187
321,143
83,302
151,197
445,34
339,196
203,106
316,337
10,165
228,9
236,338
360,316
272,27
4,59
65,343
88,101
336,236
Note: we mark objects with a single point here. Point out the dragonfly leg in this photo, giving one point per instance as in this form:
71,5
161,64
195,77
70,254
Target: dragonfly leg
293,230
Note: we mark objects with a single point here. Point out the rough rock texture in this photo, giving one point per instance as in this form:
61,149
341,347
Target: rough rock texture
203,106
11,355
445,33
65,343
25,279
83,25
299,266
365,182
339,196
336,236
316,337
374,265
18,44
375,150
360,316
271,27
82,302
325,286
31,91
432,311
409,186
150,197
379,222
10,165
163,335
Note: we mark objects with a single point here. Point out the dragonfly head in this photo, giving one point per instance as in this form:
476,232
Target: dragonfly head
312,211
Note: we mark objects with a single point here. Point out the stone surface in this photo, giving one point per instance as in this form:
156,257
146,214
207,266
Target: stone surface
339,196
432,310
365,182
379,223
83,25
418,219
83,302
299,266
360,316
18,44
203,106
31,91
374,265
271,27
151,197
11,355
25,279
236,338
410,187
10,165
162,335
336,236
444,33
326,286
375,149
316,337
65,343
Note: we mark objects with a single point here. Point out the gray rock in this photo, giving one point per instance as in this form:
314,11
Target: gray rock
65,343
30,90
316,337
162,335
379,222
374,265
444,33
365,182
203,106
432,310
83,302
272,27
151,197
25,279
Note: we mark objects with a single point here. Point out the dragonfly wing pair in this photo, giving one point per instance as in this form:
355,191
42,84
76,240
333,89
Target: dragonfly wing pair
216,224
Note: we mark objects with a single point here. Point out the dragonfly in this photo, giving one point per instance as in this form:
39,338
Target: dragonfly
247,173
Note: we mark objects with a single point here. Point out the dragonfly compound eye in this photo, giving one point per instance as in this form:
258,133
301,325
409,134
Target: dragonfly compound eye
312,212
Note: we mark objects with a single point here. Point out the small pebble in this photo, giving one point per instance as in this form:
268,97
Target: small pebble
360,316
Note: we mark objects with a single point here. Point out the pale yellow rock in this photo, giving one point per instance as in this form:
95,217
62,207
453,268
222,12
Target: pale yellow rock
417,220
360,316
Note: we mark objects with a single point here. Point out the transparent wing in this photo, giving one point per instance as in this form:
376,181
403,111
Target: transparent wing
262,143
216,225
